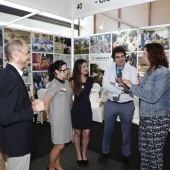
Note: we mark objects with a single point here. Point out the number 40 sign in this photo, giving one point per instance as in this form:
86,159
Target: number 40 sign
80,5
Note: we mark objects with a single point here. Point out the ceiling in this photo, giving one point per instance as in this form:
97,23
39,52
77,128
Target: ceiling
73,9
15,18
70,9
22,13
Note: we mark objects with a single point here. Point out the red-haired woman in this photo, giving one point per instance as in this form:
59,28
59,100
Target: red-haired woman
154,94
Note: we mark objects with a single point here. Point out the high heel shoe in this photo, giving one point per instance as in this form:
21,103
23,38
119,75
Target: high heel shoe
85,162
80,162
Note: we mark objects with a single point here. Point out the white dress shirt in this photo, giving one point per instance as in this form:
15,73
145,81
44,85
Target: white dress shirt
129,72
19,71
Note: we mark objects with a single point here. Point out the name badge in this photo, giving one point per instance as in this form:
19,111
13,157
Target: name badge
63,89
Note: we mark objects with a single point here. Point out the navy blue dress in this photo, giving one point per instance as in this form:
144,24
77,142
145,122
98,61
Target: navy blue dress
81,112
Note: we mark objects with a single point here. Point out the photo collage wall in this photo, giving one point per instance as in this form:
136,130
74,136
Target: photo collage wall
96,49
44,50
101,46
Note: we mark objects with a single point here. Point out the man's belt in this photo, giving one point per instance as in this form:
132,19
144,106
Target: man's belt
121,103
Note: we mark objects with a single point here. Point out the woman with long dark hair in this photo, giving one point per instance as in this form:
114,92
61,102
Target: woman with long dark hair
81,112
154,94
57,100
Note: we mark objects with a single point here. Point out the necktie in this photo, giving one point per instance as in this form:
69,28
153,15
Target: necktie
119,75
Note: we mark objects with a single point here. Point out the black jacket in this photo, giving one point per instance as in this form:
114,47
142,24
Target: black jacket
16,114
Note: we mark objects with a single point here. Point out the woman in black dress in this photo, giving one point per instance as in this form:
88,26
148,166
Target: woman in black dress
81,112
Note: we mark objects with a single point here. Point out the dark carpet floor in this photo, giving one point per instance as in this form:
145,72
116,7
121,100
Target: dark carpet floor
96,137
44,145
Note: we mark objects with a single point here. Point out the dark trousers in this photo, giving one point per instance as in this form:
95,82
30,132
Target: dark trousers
152,137
111,112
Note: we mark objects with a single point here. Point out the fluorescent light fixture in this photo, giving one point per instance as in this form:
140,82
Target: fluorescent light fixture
118,31
21,18
102,26
26,28
46,14
21,7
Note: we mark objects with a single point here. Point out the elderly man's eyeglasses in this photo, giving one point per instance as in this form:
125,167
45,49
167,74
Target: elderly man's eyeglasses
64,70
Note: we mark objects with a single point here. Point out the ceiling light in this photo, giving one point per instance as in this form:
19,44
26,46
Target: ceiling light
118,31
27,28
21,18
102,26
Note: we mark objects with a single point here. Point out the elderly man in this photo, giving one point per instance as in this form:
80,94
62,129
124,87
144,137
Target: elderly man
16,112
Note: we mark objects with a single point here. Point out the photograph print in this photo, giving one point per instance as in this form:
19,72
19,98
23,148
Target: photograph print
131,58
100,43
126,39
27,74
42,43
10,34
154,35
62,45
97,71
81,45
41,61
40,80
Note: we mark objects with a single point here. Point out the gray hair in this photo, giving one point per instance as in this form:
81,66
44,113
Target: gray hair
12,45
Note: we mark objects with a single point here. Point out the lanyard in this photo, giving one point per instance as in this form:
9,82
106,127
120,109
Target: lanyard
118,69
